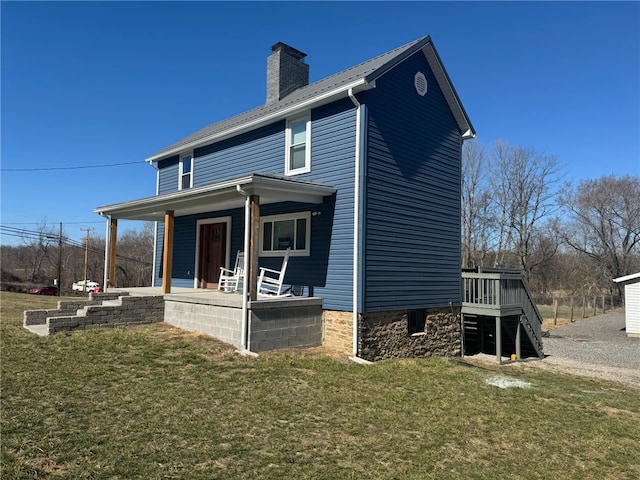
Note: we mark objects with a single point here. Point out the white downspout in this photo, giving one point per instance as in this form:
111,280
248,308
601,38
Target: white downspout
155,229
356,224
247,226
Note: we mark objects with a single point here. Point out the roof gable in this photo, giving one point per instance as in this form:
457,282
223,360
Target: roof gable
357,78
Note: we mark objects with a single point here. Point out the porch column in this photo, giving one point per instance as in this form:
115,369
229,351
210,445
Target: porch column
113,235
167,258
254,247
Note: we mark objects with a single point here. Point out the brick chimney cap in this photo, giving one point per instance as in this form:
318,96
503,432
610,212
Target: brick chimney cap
297,54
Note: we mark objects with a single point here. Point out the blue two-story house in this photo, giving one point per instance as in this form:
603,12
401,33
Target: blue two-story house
358,174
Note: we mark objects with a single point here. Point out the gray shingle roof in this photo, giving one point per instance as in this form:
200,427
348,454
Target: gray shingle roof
362,73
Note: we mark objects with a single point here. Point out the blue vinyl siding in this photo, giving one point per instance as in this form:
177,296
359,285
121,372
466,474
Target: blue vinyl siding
159,242
412,196
333,133
329,268
184,244
259,151
168,175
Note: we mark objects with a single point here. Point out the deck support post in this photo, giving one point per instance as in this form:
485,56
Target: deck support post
518,340
167,259
461,334
113,235
254,247
498,340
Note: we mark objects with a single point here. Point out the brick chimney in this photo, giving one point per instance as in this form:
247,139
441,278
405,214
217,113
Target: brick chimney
286,71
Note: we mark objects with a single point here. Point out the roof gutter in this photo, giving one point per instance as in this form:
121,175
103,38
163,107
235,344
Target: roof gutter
358,85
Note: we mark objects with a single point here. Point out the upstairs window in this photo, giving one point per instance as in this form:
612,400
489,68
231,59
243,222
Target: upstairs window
280,232
298,146
186,171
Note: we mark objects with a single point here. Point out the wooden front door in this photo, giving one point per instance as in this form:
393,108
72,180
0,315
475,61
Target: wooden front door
213,248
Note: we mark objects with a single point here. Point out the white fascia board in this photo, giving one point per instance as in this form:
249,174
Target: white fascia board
450,95
468,135
280,114
627,278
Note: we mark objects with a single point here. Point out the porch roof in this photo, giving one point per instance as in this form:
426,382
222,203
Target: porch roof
219,196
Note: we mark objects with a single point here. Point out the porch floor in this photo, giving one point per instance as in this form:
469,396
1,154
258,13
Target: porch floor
216,297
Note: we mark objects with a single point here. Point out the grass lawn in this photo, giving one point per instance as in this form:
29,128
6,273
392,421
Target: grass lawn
155,402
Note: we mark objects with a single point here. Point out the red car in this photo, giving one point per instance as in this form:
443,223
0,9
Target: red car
44,291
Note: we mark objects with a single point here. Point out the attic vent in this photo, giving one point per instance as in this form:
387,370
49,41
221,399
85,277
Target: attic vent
420,82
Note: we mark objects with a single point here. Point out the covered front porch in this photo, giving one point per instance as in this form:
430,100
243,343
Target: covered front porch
242,318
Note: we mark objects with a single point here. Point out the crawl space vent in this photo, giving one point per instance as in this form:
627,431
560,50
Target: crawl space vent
420,82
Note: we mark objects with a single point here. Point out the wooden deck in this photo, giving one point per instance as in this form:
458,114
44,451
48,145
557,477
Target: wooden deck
501,296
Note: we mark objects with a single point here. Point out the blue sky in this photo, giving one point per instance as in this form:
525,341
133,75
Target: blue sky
92,84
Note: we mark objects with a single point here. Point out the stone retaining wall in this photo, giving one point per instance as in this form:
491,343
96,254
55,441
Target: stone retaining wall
92,313
385,335
66,308
131,311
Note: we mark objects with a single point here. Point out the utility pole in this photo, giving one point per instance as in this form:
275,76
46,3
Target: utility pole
60,259
86,258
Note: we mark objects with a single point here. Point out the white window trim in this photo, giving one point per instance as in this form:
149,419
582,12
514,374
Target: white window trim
307,151
182,157
289,216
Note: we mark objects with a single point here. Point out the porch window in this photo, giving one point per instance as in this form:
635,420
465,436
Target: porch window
186,169
298,146
280,232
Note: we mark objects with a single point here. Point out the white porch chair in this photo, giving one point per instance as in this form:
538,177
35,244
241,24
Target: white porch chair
231,279
270,281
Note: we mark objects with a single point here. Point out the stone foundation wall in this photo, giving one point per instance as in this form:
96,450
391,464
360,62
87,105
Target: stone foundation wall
337,332
385,335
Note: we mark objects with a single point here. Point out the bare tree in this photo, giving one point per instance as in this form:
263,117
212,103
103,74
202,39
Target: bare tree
38,242
475,205
605,222
136,265
524,184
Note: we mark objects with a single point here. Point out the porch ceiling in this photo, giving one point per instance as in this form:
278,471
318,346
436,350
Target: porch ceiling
219,196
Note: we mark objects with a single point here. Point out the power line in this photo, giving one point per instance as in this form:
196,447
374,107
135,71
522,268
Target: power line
36,235
81,167
40,223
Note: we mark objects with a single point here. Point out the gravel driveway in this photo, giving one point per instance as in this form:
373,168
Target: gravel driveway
596,346
600,340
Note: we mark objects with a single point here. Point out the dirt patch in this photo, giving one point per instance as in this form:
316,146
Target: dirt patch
626,376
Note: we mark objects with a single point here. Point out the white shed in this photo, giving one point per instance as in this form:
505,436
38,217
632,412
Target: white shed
631,302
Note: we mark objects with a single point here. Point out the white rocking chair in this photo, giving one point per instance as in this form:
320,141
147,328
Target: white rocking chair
230,279
270,281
